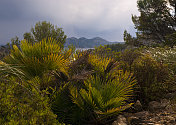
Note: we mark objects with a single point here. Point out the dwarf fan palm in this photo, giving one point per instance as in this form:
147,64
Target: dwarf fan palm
102,95
6,70
36,59
102,100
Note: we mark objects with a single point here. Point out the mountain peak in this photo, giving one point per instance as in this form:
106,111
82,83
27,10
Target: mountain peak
82,38
72,38
97,38
83,42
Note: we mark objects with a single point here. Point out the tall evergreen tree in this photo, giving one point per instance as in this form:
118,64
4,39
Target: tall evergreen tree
157,20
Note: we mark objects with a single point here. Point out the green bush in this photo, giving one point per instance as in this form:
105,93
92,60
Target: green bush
39,58
89,88
26,80
102,96
151,77
117,47
22,103
105,51
128,56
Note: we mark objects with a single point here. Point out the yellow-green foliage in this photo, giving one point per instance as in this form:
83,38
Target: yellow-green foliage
102,95
104,98
22,103
40,57
105,51
6,70
87,89
99,63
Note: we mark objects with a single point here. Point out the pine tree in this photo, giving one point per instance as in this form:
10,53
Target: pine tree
157,20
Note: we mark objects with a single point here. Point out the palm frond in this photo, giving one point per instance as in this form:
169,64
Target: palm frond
6,70
105,99
40,57
104,92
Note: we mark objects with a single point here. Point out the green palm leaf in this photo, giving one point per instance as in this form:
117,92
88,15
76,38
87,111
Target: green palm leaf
40,57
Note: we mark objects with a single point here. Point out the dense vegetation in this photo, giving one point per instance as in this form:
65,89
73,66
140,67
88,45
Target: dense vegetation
80,88
43,83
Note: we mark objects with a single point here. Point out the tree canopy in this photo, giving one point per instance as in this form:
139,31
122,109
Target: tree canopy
45,30
157,20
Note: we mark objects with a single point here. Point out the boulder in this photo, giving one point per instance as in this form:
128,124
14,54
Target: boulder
170,95
121,120
141,115
164,103
155,106
138,106
134,120
170,119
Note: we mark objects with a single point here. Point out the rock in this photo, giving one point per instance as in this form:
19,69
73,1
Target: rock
171,108
156,118
142,115
138,106
164,103
164,113
134,120
159,113
154,106
170,119
121,120
170,95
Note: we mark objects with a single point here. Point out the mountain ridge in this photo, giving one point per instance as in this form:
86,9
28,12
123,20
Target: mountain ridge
83,42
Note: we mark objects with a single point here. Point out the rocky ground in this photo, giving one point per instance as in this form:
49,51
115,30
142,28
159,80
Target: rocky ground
161,112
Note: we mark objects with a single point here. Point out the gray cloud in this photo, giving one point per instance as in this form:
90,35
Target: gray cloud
81,18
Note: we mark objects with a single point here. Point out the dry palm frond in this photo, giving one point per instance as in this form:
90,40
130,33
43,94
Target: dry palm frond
6,70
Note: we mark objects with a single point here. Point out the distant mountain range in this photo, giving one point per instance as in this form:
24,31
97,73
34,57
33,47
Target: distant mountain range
84,42
87,43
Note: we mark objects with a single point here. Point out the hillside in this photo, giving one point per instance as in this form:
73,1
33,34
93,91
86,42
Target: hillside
87,43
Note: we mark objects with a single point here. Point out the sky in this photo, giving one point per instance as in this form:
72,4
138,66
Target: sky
78,18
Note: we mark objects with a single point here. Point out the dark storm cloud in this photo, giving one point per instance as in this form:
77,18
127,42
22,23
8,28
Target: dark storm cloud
16,18
10,10
81,18
7,11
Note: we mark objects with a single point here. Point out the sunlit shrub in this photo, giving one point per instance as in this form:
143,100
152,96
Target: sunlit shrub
39,58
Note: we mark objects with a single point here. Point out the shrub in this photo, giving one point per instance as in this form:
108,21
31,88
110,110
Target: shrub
117,47
9,70
128,56
105,51
165,55
151,77
101,97
22,103
39,58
